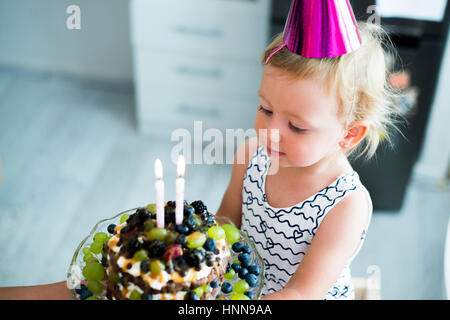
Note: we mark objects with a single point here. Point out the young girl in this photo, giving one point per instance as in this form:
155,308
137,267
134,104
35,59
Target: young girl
308,219
296,194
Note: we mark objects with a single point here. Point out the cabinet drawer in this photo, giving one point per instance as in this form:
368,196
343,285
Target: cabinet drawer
190,72
162,107
223,28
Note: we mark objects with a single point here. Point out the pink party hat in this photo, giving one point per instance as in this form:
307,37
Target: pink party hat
320,29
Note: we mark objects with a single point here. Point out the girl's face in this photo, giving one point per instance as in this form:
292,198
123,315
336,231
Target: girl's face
305,114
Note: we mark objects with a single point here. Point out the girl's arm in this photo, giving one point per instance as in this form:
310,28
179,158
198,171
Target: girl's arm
54,291
335,242
231,205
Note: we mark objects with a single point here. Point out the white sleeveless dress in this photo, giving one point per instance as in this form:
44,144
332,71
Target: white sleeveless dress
282,236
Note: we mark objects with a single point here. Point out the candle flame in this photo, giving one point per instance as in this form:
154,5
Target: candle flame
158,169
181,165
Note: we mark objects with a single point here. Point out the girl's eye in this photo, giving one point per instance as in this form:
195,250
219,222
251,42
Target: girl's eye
268,112
296,129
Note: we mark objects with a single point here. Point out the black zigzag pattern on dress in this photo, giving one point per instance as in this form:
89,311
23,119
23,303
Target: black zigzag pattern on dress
274,253
288,231
330,206
279,244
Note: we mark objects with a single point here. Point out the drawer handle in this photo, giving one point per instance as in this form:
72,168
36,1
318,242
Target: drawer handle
199,72
212,33
200,111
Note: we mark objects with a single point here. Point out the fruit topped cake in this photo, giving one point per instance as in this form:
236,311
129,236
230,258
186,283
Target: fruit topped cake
185,261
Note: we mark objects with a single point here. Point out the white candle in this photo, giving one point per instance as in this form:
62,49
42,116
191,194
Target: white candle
159,186
179,204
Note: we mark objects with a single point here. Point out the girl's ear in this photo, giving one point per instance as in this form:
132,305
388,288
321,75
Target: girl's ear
356,131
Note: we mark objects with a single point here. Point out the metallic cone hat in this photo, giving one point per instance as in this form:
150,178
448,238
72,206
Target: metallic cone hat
320,29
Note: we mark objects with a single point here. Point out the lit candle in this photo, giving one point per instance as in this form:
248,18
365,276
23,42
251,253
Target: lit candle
159,186
179,204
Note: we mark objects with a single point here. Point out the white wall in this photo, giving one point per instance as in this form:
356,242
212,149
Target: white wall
434,159
33,34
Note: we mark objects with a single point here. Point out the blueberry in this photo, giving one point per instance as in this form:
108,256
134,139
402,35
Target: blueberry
249,294
237,247
104,262
228,267
188,210
145,266
246,249
252,280
191,295
254,269
227,287
246,263
214,284
236,267
80,289
243,272
189,221
195,257
243,257
147,297
111,228
210,244
85,294
182,228
182,240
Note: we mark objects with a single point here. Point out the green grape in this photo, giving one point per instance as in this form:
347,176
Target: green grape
196,240
206,288
151,207
100,237
157,233
135,295
124,218
90,259
239,296
241,286
171,237
86,250
96,247
230,274
94,286
156,266
232,233
216,232
88,256
148,225
92,298
93,271
236,261
114,277
199,291
141,255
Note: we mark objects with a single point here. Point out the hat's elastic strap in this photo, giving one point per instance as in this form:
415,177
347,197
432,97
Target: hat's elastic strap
275,51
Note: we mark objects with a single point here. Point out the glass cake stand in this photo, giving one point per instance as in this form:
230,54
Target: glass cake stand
75,276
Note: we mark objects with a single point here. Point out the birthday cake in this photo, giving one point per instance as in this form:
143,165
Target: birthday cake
179,261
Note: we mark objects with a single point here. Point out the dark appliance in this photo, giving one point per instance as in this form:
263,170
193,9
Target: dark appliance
420,45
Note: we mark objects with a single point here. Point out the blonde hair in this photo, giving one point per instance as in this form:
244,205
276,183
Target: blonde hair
359,79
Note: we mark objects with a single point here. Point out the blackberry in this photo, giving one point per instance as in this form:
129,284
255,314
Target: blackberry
156,248
180,265
134,244
199,207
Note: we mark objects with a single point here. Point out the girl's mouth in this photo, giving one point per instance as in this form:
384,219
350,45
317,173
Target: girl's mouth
275,153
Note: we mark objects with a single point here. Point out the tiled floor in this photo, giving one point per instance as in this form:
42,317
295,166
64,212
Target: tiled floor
71,155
